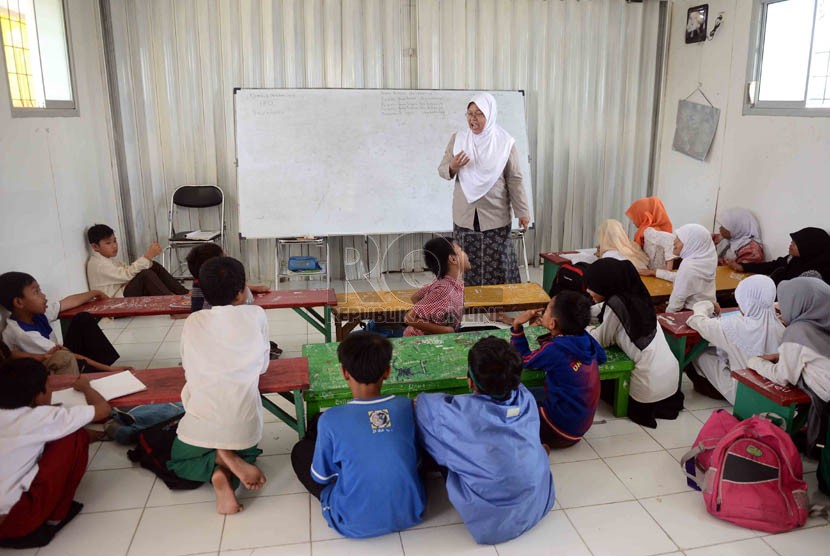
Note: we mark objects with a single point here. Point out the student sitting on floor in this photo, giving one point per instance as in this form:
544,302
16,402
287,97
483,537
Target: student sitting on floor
439,306
803,358
570,358
117,279
614,244
809,256
224,351
734,338
498,475
195,259
739,237
360,459
57,361
29,328
695,278
628,320
43,453
654,231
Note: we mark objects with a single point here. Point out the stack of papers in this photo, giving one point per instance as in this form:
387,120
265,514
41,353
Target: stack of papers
110,387
587,255
199,235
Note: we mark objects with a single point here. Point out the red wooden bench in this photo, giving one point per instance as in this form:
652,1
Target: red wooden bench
302,302
287,377
756,394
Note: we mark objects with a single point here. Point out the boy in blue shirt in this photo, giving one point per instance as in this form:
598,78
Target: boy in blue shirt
498,475
570,358
360,458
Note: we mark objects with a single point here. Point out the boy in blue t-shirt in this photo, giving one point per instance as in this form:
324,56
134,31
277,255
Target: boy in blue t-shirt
360,459
498,475
570,358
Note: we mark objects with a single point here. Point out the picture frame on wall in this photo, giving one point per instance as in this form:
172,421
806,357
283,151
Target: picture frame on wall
696,19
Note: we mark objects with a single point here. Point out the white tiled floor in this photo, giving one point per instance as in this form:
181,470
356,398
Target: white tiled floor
620,492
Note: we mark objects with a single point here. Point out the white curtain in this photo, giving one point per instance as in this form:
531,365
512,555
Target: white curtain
587,68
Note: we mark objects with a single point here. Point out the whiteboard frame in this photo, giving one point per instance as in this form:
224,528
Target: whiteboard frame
528,178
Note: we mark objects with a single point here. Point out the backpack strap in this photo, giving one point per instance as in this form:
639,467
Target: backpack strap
775,419
693,453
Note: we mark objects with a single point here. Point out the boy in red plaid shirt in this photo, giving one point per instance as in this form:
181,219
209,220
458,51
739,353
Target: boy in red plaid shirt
439,306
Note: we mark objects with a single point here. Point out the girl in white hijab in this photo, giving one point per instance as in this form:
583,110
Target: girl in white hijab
740,237
695,278
614,243
735,337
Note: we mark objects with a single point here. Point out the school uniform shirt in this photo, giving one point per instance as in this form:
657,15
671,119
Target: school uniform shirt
366,455
695,278
571,365
23,434
658,246
224,351
498,475
38,337
110,275
441,302
796,361
655,373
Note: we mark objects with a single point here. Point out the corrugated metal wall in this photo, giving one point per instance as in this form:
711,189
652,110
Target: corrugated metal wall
587,68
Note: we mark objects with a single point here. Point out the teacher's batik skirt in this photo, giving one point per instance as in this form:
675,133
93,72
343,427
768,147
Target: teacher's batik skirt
491,253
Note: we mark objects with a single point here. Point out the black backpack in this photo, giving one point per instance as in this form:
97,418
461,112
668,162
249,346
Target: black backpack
152,451
569,277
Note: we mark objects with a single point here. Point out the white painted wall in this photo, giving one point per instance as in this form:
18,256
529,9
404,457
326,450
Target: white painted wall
778,167
57,174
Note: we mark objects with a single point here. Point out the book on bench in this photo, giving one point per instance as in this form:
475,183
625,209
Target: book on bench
110,387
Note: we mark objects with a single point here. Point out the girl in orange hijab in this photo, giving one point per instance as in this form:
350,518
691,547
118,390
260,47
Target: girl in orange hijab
648,212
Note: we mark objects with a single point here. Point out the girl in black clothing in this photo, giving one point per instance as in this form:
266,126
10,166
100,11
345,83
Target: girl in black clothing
809,256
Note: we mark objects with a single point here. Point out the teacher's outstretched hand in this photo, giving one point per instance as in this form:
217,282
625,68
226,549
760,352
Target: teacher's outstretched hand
483,162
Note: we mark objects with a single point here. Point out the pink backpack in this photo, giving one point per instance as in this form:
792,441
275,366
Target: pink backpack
750,473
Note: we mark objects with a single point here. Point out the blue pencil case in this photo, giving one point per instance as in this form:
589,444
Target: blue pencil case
300,264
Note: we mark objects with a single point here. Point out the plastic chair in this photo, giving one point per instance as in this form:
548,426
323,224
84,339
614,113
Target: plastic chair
197,197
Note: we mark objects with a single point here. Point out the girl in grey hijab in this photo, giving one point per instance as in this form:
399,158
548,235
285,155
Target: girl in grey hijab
803,358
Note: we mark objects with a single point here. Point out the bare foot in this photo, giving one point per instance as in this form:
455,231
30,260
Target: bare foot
250,475
226,502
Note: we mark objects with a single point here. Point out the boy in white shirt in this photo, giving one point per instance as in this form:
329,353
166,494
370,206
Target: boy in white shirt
224,351
29,328
43,453
118,279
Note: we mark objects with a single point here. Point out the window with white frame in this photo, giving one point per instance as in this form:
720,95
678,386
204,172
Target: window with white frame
34,37
789,70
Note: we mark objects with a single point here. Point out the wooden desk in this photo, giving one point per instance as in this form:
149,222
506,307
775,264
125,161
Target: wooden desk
726,279
283,376
438,363
756,394
391,306
303,302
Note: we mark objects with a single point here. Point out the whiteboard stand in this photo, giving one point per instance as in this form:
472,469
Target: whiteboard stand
519,235
283,253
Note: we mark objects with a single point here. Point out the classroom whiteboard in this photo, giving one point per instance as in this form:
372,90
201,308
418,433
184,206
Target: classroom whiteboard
328,162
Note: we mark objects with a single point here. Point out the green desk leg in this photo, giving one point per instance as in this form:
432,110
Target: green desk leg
748,402
622,388
312,409
549,271
678,349
297,423
321,323
65,327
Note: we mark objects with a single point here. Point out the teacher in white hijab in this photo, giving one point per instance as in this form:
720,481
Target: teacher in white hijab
484,163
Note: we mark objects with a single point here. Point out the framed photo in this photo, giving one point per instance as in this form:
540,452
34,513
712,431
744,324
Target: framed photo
696,19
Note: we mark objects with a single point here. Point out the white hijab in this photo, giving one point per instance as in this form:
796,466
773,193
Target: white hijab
700,261
757,331
741,225
488,151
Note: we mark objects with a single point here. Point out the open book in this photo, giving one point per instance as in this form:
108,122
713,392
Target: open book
110,387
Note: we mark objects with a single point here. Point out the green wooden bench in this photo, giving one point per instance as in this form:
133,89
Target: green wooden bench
438,364
756,394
